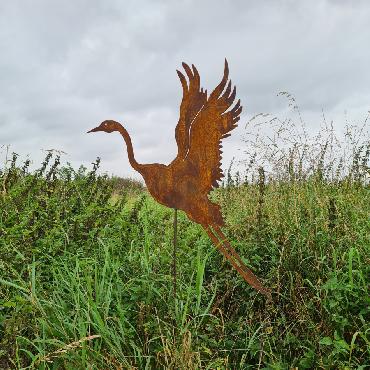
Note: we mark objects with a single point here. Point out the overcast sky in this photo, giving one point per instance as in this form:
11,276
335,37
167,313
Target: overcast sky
67,65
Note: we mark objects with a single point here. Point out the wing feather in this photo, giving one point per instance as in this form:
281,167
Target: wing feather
212,124
192,101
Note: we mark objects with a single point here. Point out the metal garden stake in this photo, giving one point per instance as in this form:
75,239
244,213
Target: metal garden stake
186,182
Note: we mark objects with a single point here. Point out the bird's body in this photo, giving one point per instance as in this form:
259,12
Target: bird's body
179,178
186,182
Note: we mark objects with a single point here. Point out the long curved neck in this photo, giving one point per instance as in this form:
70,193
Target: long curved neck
137,166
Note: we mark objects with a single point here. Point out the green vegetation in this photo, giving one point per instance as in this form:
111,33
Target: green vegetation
85,276
85,267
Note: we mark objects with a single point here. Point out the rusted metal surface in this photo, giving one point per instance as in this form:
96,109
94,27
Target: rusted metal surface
186,182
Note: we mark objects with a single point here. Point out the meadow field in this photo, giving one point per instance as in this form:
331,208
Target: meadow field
86,279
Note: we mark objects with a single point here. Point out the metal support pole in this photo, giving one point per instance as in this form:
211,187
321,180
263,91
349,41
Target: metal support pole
174,266
174,275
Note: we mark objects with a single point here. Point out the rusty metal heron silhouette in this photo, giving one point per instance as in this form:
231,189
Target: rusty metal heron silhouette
186,182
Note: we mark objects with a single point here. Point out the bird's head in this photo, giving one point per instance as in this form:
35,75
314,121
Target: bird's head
106,126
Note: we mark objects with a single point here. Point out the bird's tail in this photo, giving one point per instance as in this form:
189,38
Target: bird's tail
219,240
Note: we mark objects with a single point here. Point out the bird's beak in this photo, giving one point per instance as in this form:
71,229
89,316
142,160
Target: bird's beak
94,129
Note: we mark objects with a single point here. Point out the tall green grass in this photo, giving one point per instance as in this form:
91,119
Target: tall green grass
86,279
85,276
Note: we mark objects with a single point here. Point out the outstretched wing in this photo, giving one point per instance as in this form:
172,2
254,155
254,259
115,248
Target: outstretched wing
212,124
192,101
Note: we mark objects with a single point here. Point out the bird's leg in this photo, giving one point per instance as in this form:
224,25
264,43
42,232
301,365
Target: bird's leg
218,244
235,260
251,277
224,241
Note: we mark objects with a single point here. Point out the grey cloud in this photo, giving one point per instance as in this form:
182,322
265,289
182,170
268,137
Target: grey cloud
64,67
